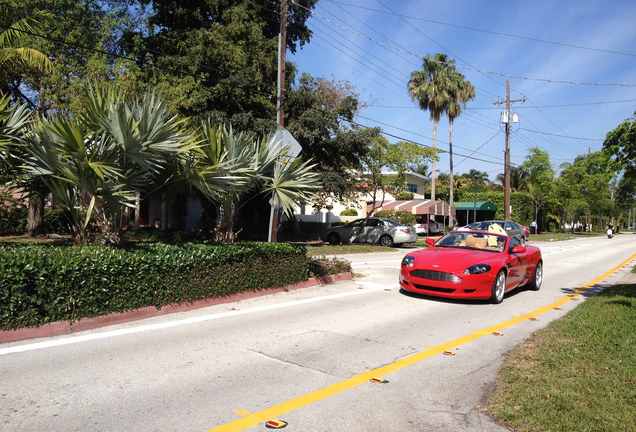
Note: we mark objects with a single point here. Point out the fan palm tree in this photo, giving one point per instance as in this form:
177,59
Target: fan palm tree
226,167
14,56
14,122
462,91
430,87
94,164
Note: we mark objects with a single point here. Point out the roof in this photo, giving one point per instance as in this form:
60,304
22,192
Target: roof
475,205
416,207
408,173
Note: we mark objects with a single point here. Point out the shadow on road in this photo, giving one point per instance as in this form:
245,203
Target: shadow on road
460,301
618,289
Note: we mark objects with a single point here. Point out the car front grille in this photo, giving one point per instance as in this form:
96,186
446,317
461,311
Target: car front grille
434,289
434,275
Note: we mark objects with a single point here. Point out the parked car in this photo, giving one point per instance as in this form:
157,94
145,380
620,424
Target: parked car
512,228
472,264
372,230
422,226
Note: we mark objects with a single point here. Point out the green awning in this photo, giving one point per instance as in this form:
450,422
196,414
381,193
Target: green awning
475,205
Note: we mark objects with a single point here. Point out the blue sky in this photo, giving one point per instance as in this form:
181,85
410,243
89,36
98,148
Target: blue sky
346,36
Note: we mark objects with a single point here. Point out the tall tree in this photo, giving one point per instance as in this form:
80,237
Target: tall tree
319,113
15,57
461,92
217,58
430,87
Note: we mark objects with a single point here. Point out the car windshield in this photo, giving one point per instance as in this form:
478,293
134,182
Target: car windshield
472,240
391,222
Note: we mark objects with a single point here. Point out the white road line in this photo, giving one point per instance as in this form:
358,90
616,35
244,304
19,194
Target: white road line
177,323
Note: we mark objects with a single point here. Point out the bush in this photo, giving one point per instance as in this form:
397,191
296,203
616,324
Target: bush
319,267
349,212
13,214
41,284
404,196
402,217
55,221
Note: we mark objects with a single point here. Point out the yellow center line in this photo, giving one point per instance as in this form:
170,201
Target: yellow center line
249,419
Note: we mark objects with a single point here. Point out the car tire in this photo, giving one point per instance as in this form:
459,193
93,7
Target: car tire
333,239
386,241
537,277
498,288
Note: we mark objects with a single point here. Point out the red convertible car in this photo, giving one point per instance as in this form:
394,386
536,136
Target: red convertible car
472,265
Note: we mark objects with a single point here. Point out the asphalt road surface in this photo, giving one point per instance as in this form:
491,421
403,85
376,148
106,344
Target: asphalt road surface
297,356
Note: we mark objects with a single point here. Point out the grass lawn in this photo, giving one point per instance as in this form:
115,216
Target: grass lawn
577,374
24,239
329,249
558,236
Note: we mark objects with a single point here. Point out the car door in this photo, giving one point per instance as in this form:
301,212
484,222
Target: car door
357,231
516,264
373,229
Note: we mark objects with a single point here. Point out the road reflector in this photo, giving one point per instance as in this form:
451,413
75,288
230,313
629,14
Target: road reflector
496,333
557,308
378,381
275,424
448,353
533,319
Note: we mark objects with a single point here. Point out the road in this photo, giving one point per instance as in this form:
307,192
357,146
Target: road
297,354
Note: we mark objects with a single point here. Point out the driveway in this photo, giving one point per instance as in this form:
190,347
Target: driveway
300,356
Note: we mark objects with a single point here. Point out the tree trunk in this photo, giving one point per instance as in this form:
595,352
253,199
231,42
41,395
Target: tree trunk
451,197
225,228
434,162
35,214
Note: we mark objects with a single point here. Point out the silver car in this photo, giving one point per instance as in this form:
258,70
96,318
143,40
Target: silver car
372,230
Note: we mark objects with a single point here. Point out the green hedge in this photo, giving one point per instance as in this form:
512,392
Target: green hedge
41,284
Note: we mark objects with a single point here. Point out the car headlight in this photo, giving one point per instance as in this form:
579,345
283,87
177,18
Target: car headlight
477,269
408,261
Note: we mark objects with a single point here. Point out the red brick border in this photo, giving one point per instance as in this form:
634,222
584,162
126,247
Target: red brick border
66,327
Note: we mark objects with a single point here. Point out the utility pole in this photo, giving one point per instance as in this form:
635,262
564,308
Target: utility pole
507,120
282,51
280,97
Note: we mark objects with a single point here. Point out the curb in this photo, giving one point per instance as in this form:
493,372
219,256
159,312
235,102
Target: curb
66,327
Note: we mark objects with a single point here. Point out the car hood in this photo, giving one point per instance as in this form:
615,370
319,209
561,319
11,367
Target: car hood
453,259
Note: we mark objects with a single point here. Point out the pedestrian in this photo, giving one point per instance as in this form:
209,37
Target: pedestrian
533,227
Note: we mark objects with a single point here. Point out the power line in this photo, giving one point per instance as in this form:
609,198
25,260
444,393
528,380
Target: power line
486,108
478,148
489,74
411,132
419,30
439,150
561,136
402,49
495,33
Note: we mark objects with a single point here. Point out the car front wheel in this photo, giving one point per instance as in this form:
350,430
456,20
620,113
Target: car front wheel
499,288
333,239
386,241
537,279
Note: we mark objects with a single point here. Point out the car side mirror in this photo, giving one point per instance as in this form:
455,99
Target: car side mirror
430,242
518,249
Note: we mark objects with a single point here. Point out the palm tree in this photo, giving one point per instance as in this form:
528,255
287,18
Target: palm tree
94,164
226,167
430,88
14,56
14,122
518,178
462,91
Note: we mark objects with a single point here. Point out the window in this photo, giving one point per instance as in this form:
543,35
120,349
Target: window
508,226
411,187
373,222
